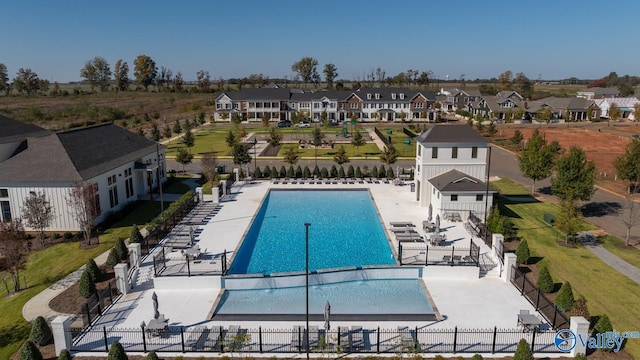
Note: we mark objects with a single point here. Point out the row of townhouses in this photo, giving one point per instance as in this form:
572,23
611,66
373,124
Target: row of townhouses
403,104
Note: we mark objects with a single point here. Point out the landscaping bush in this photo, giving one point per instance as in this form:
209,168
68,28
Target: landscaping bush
283,172
87,287
316,171
94,271
523,351
390,173
121,250
135,237
602,327
113,259
56,236
116,352
351,171
41,332
29,351
306,172
64,355
477,357
522,252
374,172
298,172
382,172
564,300
581,357
358,173
257,173
274,172
324,173
580,308
151,356
545,281
67,235
341,173
333,172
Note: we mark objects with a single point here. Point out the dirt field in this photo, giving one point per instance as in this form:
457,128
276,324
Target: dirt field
601,145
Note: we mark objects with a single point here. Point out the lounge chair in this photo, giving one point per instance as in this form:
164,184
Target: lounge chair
195,337
314,334
213,340
401,224
230,338
407,340
357,338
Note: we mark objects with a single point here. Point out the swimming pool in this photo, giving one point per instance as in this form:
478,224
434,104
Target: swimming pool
345,231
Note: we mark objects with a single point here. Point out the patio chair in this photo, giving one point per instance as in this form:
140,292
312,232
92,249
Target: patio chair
213,340
195,337
230,338
407,339
357,338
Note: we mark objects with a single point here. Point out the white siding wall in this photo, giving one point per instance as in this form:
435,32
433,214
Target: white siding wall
466,202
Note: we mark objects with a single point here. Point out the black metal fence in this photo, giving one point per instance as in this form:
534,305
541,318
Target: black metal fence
178,263
159,232
383,137
411,253
337,340
543,305
96,303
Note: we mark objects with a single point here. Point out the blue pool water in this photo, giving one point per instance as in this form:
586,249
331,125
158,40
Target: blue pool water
345,231
388,297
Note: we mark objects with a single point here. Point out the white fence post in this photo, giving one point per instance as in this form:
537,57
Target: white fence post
61,329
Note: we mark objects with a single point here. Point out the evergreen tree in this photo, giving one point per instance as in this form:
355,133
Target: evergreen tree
283,172
374,172
604,326
350,172
135,237
358,173
188,139
390,173
382,172
86,286
41,332
334,171
93,270
298,172
523,351
64,355
341,156
151,356
306,172
116,352
177,129
522,252
477,357
166,131
29,351
267,172
113,259
517,138
155,132
257,174
316,171
121,249
291,172
341,173
275,173
545,281
564,300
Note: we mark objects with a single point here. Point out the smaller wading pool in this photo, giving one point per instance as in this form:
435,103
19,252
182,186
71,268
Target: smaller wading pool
374,300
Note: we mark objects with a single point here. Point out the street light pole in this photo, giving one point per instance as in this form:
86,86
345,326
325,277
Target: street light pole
306,336
255,156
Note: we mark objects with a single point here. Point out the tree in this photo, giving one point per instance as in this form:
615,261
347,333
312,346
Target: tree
625,90
112,259
306,68
26,80
358,139
275,138
505,80
204,80
144,70
575,176
628,165
155,132
568,221
523,351
135,237
630,217
374,172
29,351
231,139
389,155
64,355
166,131
545,281
580,308
603,325
291,155
188,139
265,119
209,164
41,332
121,75
93,270
536,160
564,300
522,252
38,213
317,138
97,73
151,356
517,138
341,156
4,79
116,352
84,205
614,112
523,85
240,154
86,287
178,82
177,129
121,250
330,73
184,157
164,78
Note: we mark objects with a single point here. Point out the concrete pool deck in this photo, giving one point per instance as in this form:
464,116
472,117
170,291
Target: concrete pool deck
467,303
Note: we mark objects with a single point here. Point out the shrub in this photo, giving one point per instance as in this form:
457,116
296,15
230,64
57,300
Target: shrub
94,271
67,235
351,171
29,351
291,173
581,357
112,259
283,172
257,173
523,351
298,172
358,173
135,236
374,172
341,173
41,332
477,357
274,172
116,352
316,171
151,356
382,172
87,287
64,355
306,172
121,250
580,308
333,172
324,173
545,281
564,300
56,236
390,173
522,252
602,327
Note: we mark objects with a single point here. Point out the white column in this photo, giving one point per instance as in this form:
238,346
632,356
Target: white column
580,328
134,254
60,327
122,279
495,240
509,263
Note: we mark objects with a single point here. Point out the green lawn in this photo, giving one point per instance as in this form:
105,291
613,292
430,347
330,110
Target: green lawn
618,247
52,264
606,290
397,140
177,186
369,149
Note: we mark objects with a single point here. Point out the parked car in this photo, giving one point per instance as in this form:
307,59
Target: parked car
284,123
303,124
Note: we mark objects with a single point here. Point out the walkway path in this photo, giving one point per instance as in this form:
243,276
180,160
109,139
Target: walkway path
615,262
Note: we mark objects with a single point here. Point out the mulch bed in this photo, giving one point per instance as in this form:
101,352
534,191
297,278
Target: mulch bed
70,301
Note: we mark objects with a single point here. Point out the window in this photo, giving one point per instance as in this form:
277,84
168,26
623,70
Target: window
369,96
353,105
434,152
393,96
454,197
4,193
401,96
113,196
377,96
316,105
5,211
419,150
454,152
218,106
128,182
474,152
419,105
479,197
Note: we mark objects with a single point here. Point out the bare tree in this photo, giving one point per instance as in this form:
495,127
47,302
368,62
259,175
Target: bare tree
84,204
38,213
631,217
14,247
209,164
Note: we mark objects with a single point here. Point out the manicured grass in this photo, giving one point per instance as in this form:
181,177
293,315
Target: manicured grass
606,290
397,140
618,247
206,141
49,265
508,187
369,149
177,186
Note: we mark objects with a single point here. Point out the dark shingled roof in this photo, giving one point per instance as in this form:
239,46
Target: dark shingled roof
451,134
14,130
260,94
454,180
74,155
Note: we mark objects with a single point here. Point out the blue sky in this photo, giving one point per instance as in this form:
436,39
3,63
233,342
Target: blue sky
481,39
